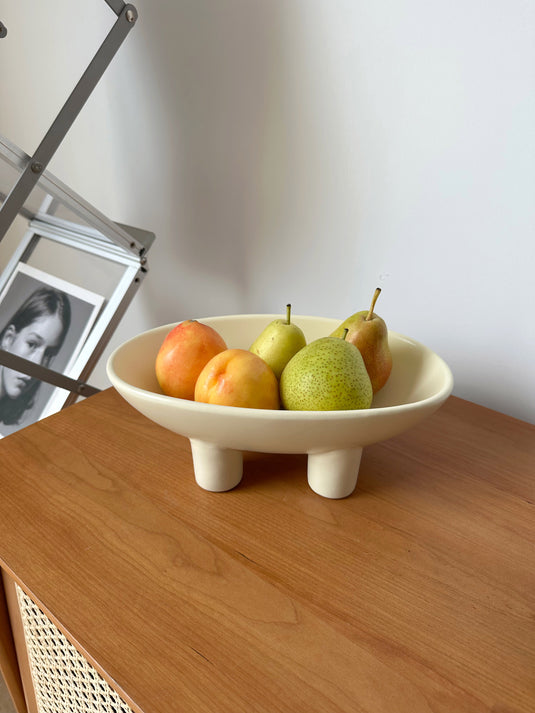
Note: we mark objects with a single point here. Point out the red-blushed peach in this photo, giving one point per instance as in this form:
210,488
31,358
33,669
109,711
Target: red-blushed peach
184,352
237,377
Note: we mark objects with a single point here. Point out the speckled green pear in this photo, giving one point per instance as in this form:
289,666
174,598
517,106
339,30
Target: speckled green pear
327,375
278,342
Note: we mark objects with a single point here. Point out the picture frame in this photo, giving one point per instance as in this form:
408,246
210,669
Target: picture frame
82,306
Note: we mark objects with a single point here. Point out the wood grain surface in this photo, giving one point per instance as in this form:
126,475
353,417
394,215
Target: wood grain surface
414,595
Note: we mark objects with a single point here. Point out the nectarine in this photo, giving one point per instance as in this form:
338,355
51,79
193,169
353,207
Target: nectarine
184,352
237,377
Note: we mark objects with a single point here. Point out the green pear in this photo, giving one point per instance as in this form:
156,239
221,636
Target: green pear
278,342
327,375
369,333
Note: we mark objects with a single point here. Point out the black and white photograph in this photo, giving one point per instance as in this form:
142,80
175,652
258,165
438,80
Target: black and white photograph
46,320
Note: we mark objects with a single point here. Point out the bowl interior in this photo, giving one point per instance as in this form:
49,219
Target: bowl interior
417,374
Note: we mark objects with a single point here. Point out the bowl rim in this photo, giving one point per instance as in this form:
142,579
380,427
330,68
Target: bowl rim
199,407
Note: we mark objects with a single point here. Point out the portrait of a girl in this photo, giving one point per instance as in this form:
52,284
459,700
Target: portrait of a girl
36,331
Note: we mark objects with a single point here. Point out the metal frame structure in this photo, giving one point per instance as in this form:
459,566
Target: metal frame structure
96,234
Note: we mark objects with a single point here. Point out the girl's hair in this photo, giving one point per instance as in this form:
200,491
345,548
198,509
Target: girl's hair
42,302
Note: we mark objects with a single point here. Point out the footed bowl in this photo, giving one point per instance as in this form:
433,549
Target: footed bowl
333,440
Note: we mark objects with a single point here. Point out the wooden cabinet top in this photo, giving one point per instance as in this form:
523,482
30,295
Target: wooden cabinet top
416,594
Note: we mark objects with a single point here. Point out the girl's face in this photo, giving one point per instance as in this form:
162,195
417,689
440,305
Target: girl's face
32,342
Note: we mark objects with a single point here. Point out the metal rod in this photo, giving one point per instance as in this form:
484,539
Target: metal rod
134,241
116,5
64,120
43,373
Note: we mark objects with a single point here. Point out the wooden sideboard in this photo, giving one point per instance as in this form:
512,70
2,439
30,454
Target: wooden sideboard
414,595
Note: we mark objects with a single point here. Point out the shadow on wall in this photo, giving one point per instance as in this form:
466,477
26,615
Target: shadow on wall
205,71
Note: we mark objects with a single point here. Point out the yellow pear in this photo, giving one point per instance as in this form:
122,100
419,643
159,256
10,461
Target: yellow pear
278,342
369,333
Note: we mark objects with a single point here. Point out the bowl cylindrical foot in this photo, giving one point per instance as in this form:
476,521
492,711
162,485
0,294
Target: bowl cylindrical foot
334,474
216,469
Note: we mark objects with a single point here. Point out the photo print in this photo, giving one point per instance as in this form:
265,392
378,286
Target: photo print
44,319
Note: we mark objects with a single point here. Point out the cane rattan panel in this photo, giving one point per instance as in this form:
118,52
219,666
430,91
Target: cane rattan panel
64,681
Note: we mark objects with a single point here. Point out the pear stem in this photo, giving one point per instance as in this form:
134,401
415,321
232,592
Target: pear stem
374,300
288,311
344,335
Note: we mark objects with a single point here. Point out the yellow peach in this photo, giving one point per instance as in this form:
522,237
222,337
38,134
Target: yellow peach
184,352
237,377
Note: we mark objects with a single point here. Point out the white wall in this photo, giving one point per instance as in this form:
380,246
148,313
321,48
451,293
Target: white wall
307,151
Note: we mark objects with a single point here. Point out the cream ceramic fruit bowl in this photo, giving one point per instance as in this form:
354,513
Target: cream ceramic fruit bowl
419,383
